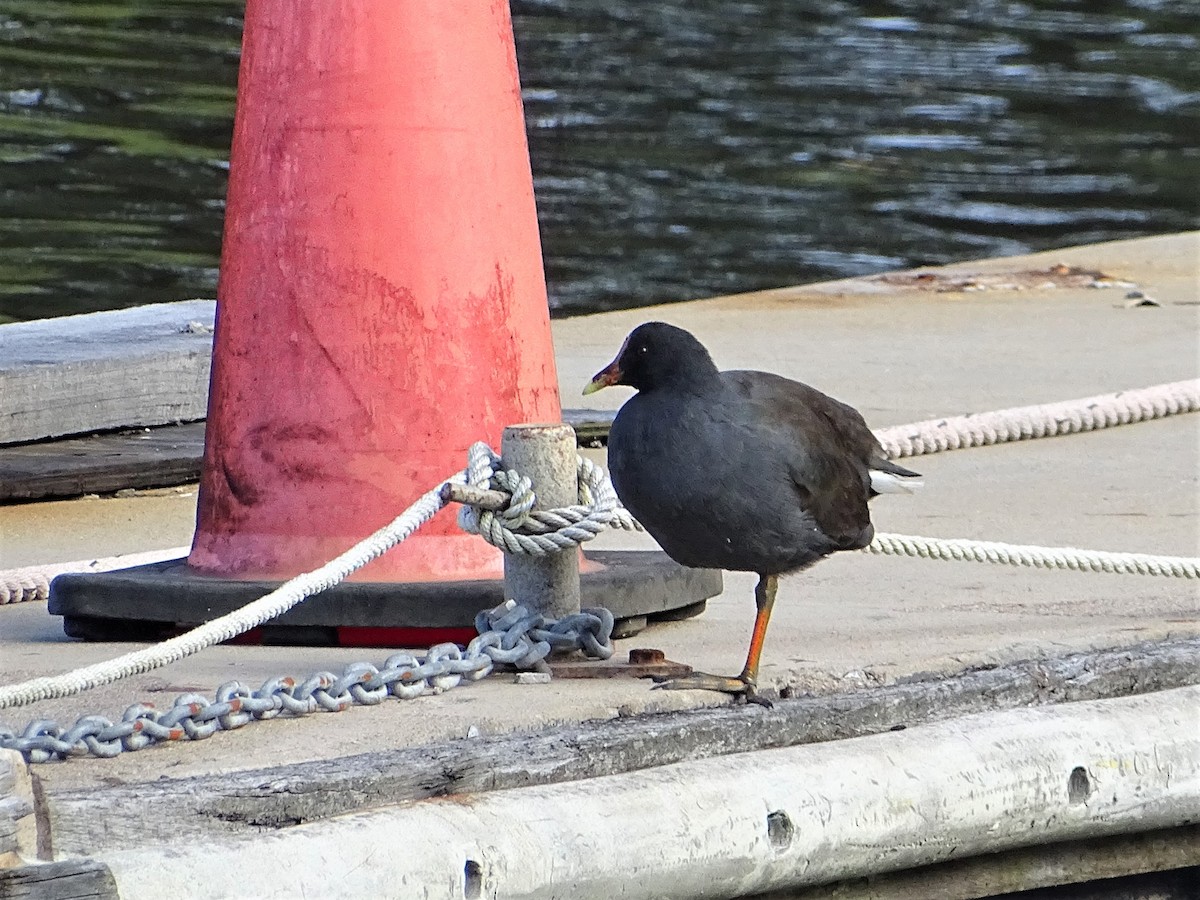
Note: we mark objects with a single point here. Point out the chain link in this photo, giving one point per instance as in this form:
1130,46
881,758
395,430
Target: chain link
510,634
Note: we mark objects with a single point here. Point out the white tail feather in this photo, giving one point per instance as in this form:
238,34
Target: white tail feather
887,483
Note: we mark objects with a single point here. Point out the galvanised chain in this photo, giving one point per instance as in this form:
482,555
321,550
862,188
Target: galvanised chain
509,634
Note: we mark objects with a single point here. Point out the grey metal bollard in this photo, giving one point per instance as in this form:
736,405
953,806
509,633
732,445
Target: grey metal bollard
546,454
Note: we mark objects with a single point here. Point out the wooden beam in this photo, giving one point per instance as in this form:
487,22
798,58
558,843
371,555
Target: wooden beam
165,456
104,463
591,425
735,825
88,821
1171,855
18,830
1162,864
123,368
115,369
75,879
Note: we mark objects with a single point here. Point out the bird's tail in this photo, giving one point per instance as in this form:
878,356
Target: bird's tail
889,478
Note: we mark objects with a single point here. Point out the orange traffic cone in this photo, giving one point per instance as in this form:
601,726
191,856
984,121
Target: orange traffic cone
381,303
381,307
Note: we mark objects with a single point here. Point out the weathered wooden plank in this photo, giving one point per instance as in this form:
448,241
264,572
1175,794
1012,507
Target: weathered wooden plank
165,456
146,458
241,802
12,811
115,369
75,879
738,825
124,368
1171,854
1161,863
18,830
591,425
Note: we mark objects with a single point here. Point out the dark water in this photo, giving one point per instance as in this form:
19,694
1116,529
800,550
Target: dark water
680,148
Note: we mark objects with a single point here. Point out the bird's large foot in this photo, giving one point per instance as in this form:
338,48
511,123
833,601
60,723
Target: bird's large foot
701,681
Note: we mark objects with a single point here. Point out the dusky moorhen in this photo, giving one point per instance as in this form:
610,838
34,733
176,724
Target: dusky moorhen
739,470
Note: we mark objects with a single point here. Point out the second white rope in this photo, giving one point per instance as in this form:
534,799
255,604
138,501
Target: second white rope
1029,556
915,439
1022,423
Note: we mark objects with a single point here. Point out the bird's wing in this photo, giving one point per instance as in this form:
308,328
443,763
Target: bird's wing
828,445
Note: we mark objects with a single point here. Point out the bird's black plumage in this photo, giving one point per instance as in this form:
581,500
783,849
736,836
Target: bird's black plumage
738,470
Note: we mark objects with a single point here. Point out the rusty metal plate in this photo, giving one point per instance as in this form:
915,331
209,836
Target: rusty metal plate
642,663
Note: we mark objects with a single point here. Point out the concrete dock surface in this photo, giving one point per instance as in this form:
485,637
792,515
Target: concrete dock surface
972,337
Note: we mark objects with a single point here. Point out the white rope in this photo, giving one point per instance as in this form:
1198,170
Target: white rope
518,528
33,582
599,508
1024,423
931,436
962,550
228,626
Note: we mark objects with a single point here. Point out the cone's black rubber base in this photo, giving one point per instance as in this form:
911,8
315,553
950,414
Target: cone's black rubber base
150,602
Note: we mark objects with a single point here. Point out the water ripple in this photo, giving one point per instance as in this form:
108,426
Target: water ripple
679,148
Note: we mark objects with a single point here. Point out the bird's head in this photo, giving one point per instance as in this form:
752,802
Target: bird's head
657,355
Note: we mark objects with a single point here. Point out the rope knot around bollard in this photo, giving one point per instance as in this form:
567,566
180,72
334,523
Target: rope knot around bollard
511,523
500,505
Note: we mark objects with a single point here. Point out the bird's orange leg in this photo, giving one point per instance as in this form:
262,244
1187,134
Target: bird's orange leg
764,599
746,683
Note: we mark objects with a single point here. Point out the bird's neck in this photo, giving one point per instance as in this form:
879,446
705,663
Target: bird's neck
693,380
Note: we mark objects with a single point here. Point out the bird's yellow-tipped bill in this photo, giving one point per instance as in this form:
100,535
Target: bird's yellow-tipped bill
603,379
